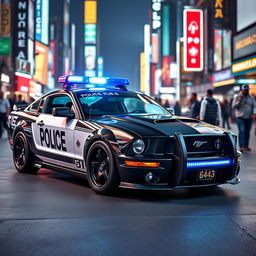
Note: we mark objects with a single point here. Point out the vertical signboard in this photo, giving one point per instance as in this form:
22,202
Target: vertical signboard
42,21
90,37
20,33
90,12
166,71
142,72
90,60
156,15
41,61
217,57
5,18
100,65
193,39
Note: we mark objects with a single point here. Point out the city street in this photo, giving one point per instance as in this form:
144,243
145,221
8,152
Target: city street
56,214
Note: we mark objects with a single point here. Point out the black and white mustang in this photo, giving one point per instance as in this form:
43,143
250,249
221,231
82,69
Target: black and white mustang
118,138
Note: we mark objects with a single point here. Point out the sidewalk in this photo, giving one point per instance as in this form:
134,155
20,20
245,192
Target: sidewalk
252,143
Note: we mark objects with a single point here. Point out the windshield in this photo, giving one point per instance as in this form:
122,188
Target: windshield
109,103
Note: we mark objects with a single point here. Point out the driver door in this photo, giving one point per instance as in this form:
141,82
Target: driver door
53,135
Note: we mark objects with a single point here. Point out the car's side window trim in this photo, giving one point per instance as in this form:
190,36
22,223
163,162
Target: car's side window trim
45,99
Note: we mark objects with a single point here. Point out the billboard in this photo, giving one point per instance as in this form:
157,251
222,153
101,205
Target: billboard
5,18
226,48
42,21
20,30
41,63
193,39
244,43
90,12
90,60
217,56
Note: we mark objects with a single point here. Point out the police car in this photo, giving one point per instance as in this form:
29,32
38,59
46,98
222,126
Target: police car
94,127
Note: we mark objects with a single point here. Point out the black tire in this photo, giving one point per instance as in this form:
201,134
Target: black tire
22,156
101,168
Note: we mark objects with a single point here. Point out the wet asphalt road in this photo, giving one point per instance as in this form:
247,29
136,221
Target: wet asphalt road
56,214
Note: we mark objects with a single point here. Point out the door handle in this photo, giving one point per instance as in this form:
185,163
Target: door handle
41,123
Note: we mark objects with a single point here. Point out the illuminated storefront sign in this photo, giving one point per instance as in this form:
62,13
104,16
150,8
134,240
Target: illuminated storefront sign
20,35
42,21
193,40
41,63
90,12
156,15
244,43
244,66
5,18
222,75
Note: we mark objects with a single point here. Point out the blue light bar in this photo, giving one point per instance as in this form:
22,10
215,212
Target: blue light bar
93,80
209,163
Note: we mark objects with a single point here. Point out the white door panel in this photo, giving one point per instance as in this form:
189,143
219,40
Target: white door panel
54,134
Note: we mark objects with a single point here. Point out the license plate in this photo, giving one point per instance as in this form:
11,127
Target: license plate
206,174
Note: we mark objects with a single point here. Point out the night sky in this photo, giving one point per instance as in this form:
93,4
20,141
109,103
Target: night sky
121,26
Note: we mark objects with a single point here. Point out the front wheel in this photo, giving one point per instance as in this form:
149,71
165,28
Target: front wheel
22,156
101,168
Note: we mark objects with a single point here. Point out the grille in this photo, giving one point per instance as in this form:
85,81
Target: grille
198,146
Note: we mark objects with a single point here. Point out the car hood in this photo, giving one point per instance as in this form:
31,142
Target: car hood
157,125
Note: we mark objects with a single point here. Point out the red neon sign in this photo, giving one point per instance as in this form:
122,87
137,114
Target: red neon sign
193,40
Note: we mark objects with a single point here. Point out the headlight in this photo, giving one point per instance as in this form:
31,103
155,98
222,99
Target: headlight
138,146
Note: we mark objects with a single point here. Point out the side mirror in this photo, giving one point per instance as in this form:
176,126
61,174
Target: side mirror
63,111
171,111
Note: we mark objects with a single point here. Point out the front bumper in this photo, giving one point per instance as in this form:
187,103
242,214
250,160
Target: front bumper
173,172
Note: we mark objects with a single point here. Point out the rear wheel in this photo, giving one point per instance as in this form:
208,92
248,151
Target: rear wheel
22,156
101,168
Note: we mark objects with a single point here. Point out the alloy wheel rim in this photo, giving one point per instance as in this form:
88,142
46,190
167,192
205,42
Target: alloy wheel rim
20,157
99,167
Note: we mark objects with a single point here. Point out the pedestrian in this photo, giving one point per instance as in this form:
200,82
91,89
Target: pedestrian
12,100
195,106
226,113
20,100
4,112
210,111
245,109
177,108
166,104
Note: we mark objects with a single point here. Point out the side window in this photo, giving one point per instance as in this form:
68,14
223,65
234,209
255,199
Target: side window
35,105
57,101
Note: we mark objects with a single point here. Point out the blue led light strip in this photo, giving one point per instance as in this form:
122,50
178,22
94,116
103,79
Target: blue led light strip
210,163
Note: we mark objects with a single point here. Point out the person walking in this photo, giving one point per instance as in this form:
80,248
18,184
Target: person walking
177,108
245,109
226,113
195,106
4,112
210,111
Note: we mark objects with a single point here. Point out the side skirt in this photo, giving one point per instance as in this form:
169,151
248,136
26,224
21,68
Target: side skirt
62,169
